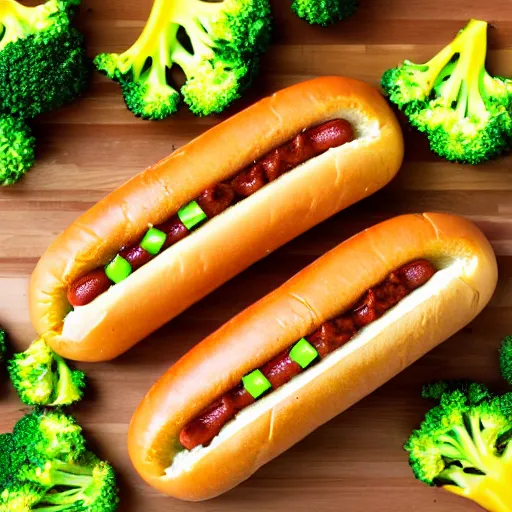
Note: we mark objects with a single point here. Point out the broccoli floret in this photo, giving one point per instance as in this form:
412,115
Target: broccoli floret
464,111
42,377
7,451
43,64
219,58
50,470
87,486
17,145
474,391
44,435
20,497
506,359
463,445
324,12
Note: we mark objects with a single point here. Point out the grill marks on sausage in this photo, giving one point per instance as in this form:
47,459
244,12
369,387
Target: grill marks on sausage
330,336
217,198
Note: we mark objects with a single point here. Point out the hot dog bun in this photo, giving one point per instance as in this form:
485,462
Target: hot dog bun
253,228
458,291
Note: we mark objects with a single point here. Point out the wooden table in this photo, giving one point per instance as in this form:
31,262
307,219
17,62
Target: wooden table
355,463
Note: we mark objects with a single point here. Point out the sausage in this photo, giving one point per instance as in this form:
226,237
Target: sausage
415,275
87,288
215,417
217,198
241,398
294,153
328,135
306,145
365,312
330,336
174,229
136,256
250,181
212,420
281,369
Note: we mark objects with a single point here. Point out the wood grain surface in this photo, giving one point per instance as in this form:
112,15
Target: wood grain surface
355,463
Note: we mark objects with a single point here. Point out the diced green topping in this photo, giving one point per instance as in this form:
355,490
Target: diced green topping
256,383
118,269
303,353
153,241
191,215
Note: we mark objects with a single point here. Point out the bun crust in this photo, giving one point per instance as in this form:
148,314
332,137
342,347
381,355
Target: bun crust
192,268
321,291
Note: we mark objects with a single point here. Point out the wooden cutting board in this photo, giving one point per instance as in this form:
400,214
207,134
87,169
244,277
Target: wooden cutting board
355,463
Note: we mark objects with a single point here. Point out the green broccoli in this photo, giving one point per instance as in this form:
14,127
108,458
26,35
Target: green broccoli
464,111
37,438
49,469
475,392
43,64
20,497
86,486
42,377
506,359
16,149
463,444
324,12
7,450
219,56
43,435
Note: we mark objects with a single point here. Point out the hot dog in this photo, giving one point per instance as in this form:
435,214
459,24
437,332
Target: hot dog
330,336
361,313
158,244
219,197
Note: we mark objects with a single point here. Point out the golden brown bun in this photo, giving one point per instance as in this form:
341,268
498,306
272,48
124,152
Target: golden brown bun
459,290
253,228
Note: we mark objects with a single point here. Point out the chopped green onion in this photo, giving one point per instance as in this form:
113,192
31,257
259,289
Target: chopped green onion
118,269
191,215
256,383
303,353
153,241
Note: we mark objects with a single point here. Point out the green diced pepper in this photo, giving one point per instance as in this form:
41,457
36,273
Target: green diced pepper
303,353
256,383
191,215
153,241
118,269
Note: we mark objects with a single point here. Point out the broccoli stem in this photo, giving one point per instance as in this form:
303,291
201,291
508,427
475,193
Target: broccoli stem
491,488
471,45
71,469
184,59
465,444
68,475
491,491
200,10
19,20
55,508
463,86
64,382
159,22
70,479
157,74
165,18
202,44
